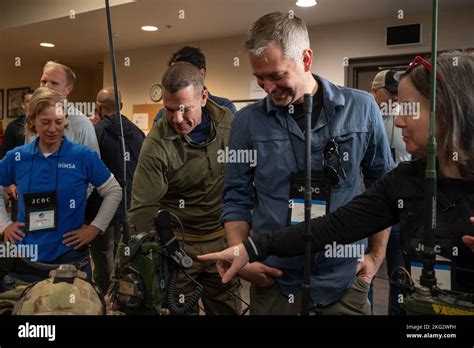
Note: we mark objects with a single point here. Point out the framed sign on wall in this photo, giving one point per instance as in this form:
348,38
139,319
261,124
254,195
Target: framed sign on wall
14,100
1,104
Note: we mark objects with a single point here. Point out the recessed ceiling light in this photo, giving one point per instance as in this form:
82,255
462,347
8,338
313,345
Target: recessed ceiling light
306,3
46,44
149,28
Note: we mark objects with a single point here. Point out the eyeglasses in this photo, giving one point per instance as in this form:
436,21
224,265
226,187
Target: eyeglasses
331,150
421,61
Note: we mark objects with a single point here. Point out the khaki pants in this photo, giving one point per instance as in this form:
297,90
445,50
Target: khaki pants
217,298
271,301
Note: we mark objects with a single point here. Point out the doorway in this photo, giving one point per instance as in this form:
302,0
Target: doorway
361,71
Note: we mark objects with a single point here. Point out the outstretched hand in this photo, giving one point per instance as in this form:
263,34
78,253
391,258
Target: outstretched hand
229,261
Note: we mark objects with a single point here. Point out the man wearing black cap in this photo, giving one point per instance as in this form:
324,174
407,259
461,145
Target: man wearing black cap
384,90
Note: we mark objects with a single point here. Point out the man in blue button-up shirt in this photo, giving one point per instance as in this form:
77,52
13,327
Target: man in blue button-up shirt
256,194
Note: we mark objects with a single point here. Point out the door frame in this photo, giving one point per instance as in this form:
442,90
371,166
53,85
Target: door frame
389,62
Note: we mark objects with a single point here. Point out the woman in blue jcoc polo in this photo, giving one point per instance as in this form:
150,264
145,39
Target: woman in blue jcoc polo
52,175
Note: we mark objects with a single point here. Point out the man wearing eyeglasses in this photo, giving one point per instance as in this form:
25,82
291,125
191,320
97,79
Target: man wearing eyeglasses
179,171
347,135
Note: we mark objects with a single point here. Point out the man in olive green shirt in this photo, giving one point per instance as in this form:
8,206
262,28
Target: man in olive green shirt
179,170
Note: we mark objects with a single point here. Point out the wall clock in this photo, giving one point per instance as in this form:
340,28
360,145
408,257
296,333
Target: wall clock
156,93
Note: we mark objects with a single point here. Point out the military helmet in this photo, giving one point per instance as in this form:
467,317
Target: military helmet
64,293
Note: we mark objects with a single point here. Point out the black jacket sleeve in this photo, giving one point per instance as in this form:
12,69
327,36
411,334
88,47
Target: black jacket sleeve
367,214
9,141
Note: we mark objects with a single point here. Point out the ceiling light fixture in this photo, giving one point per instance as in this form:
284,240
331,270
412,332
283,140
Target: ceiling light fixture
149,28
46,44
306,3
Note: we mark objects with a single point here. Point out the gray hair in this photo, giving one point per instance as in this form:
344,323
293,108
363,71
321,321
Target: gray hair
454,106
181,75
288,31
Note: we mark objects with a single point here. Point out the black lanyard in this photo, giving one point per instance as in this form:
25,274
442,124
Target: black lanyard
323,110
292,144
57,167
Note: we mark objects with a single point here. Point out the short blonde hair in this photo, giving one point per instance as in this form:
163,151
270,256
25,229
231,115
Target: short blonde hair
70,76
41,99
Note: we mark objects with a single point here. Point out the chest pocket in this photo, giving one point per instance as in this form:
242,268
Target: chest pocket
411,225
188,176
275,155
348,164
215,166
200,168
409,220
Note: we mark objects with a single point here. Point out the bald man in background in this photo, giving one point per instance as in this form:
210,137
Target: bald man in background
108,134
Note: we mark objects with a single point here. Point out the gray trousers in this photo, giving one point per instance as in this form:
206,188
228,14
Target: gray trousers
271,301
103,249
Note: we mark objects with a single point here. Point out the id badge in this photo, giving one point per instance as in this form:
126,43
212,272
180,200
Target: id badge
318,208
40,211
442,269
321,193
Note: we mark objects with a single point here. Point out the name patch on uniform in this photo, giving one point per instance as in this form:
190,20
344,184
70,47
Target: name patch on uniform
66,165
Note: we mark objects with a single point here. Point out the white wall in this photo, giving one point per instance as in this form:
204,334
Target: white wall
17,12
148,65
331,43
367,39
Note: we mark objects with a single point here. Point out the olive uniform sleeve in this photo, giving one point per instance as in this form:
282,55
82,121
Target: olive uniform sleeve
149,185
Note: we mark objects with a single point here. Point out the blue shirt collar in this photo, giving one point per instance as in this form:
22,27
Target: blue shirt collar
332,97
35,150
201,132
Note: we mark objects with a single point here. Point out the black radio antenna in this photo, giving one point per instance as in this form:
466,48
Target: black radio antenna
428,277
306,303
124,183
